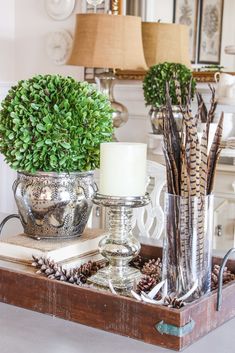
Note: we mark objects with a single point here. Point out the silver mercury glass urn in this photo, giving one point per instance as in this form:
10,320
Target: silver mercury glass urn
119,246
54,205
157,115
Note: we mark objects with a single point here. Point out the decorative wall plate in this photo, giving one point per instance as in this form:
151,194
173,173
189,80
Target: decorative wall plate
59,46
59,9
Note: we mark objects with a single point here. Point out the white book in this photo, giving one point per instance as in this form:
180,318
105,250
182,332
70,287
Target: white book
21,247
78,261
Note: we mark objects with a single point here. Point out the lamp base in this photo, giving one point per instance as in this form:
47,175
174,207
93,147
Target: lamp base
105,82
119,115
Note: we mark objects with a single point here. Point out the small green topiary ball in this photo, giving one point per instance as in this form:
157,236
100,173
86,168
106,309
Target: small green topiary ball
154,84
54,123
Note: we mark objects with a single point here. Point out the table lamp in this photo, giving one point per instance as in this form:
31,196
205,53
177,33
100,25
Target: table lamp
165,42
110,42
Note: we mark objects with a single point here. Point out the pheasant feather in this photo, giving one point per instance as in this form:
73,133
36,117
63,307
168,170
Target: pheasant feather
213,155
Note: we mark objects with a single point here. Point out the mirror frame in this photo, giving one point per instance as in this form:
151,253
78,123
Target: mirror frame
200,76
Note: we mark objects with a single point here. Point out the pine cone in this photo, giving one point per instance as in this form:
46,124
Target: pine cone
146,284
153,268
90,268
73,275
227,276
137,262
173,302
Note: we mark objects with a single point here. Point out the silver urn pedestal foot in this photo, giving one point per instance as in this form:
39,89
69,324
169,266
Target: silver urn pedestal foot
119,246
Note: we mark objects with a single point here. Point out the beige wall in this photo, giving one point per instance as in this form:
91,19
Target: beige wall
228,34
7,36
24,27
32,25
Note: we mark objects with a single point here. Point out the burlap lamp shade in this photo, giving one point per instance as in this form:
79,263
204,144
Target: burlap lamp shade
108,41
165,42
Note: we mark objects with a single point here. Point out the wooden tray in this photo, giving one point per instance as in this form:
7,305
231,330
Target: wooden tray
171,328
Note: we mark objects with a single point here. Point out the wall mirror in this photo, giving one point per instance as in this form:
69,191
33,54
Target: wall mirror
211,24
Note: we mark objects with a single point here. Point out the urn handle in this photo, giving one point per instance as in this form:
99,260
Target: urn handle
95,187
14,185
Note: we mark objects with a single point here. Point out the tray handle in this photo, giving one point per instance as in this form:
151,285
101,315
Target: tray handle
6,219
173,330
220,285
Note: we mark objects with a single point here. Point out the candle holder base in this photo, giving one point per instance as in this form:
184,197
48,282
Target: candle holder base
109,276
119,246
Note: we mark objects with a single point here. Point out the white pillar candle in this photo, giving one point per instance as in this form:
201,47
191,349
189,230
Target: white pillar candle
123,169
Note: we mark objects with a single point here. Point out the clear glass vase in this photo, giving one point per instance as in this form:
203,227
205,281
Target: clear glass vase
187,246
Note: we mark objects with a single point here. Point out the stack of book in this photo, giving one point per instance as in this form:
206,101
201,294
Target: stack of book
69,253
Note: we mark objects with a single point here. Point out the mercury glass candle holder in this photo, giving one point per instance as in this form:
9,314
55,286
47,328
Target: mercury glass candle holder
119,246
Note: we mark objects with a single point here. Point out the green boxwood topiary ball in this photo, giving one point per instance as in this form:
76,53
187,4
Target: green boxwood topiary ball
154,84
54,123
